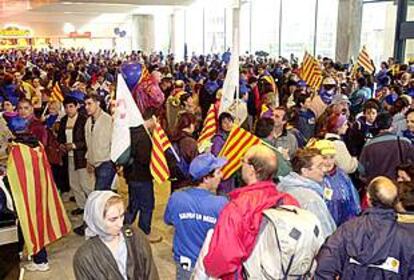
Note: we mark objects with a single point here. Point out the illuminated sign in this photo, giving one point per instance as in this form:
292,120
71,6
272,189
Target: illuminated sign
14,31
80,35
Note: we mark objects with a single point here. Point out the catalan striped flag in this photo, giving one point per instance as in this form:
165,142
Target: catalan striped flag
311,72
210,126
158,164
365,61
237,144
57,93
40,210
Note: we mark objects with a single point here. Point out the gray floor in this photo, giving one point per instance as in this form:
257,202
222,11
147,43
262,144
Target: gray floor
62,251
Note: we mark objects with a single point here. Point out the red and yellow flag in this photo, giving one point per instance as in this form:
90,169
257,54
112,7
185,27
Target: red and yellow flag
209,127
158,165
365,61
237,144
57,93
311,72
41,213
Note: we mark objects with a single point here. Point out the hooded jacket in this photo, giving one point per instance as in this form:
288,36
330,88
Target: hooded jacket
310,195
238,226
373,246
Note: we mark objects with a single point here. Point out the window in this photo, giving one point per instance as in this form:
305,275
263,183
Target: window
298,27
378,30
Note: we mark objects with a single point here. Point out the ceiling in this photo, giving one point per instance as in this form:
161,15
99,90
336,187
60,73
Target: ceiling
52,10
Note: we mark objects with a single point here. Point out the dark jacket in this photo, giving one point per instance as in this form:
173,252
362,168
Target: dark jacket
380,156
94,261
78,137
141,146
359,244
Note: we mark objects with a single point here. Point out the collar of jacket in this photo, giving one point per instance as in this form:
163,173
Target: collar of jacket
259,186
386,214
405,218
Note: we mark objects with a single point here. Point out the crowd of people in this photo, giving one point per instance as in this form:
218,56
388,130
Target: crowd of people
333,172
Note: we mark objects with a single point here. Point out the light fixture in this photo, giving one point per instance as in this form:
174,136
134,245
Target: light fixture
68,28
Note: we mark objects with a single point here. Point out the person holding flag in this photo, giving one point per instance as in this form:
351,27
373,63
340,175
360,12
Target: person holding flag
139,178
131,148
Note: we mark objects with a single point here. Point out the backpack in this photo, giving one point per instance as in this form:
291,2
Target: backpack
179,168
288,241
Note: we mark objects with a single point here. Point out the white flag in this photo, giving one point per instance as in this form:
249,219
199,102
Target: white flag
231,83
127,115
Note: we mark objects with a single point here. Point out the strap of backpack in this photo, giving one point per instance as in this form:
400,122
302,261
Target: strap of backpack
284,271
400,154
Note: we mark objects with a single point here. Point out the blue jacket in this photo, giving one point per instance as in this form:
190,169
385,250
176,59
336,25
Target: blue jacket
192,212
362,244
380,156
342,199
306,123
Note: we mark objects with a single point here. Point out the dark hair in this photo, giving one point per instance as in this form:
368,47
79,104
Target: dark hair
224,116
25,100
95,97
184,121
301,99
70,100
407,168
303,159
406,195
371,104
409,112
384,121
184,97
399,105
264,127
148,113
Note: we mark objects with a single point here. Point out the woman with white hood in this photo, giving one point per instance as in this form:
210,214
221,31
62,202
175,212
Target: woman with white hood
112,251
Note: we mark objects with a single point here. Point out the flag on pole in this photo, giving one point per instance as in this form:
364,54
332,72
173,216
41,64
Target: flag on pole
57,93
127,115
237,144
40,210
158,164
231,82
209,127
310,71
365,61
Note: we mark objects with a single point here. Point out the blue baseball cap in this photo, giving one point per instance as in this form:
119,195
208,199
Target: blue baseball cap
204,164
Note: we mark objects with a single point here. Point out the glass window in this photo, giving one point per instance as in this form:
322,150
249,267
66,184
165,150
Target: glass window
378,30
326,29
245,27
298,27
409,50
214,29
410,10
179,34
194,30
265,26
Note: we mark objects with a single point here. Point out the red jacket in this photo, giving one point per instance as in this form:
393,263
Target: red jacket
238,226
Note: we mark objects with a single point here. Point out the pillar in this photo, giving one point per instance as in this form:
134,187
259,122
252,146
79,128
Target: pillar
348,32
143,33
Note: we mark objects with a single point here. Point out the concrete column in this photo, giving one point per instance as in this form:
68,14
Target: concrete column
348,32
171,27
236,27
143,33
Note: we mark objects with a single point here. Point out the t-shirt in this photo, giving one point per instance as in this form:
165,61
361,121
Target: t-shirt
192,211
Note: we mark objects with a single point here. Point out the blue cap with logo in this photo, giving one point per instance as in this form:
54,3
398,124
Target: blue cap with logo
204,164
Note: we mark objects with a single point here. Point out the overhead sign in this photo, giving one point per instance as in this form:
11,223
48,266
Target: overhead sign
15,31
80,35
